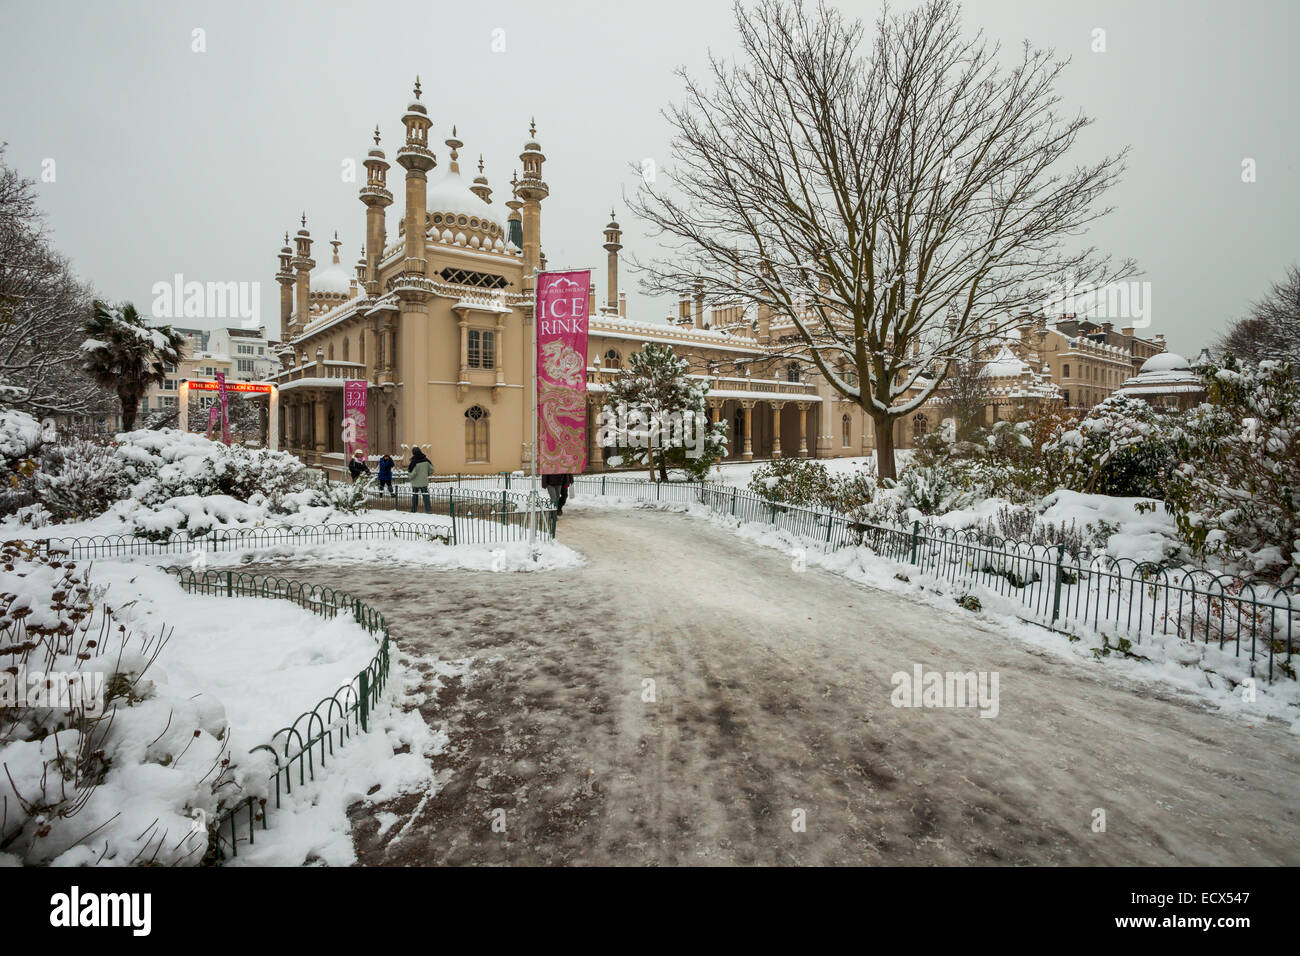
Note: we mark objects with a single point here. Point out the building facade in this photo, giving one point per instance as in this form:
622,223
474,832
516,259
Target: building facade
436,316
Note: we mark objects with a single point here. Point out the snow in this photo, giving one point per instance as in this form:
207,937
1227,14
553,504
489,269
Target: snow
231,672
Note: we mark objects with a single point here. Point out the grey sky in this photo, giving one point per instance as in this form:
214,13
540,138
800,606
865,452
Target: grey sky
171,161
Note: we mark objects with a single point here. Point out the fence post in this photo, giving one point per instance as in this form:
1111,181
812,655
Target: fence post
356,609
602,486
365,699
830,523
1056,590
230,584
503,508
451,510
733,502
916,530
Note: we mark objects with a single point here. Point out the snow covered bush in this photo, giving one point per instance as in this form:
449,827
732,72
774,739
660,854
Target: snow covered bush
66,667
936,489
793,481
78,479
1122,447
1235,494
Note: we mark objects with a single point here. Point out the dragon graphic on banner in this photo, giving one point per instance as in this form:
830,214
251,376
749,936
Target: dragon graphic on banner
562,371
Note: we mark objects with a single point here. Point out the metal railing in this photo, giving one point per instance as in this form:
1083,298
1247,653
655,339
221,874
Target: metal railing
481,508
307,742
1120,598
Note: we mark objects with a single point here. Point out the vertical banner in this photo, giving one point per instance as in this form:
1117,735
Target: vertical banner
214,415
225,407
354,417
562,371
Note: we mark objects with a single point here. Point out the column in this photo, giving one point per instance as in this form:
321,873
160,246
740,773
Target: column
776,428
319,400
748,452
273,419
803,429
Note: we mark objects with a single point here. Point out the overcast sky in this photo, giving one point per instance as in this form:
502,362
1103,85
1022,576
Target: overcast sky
168,161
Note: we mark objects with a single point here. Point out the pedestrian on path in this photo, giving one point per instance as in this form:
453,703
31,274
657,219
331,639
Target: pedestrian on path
386,474
557,486
357,466
419,470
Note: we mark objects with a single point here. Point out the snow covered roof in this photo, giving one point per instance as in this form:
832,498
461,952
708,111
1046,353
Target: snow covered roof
1005,365
333,277
451,194
1165,374
1165,362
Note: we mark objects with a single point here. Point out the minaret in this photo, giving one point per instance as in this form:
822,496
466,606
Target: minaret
532,190
612,244
303,263
406,354
377,198
360,278
285,278
515,221
416,158
480,187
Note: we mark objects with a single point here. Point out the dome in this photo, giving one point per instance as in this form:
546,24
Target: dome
1165,362
451,196
331,278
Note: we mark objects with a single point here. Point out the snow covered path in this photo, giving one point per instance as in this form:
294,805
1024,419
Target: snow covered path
773,695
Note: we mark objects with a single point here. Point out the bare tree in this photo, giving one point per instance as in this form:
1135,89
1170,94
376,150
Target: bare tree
896,206
42,308
966,394
1271,327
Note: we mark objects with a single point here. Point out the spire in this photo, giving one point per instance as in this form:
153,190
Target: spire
480,187
304,219
417,86
376,134
335,243
532,127
454,145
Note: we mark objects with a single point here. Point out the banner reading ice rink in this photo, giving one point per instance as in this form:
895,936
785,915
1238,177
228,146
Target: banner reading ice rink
562,371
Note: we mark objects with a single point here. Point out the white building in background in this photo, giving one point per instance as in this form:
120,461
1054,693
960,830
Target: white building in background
244,355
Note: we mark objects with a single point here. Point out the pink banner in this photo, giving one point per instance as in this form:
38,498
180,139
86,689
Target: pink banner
562,371
225,407
354,417
214,415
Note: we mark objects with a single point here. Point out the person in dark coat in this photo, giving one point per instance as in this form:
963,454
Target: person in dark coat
386,474
419,471
557,486
357,466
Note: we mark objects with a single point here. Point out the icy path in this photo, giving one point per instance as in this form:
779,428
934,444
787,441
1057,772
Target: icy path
773,694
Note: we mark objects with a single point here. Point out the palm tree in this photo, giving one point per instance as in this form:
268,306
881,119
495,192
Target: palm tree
127,355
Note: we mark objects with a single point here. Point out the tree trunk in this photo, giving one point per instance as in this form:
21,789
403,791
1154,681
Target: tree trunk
663,465
884,425
130,402
650,457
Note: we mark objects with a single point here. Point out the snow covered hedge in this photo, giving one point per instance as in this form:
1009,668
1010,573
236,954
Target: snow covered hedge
158,482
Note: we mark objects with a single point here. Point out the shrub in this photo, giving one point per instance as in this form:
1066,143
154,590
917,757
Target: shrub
795,481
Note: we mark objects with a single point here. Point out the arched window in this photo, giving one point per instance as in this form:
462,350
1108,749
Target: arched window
918,427
346,349
846,428
330,356
612,359
849,374
392,429
792,372
361,348
476,434
1065,370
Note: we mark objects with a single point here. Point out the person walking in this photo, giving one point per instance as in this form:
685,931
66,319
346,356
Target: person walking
419,471
386,474
357,466
557,486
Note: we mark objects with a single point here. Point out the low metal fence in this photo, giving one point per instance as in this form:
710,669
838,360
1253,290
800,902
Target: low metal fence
1122,599
487,513
308,742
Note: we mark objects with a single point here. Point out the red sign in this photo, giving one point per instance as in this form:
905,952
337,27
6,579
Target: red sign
354,416
562,371
231,387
